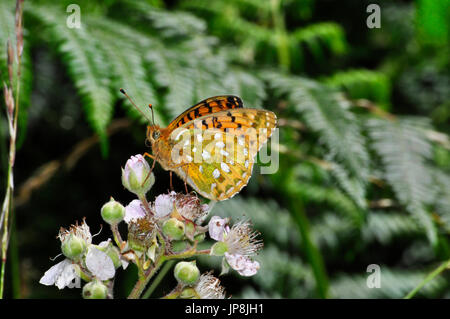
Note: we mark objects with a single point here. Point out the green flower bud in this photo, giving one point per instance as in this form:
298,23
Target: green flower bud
188,293
73,247
200,237
95,290
113,212
173,228
187,273
179,245
135,175
219,248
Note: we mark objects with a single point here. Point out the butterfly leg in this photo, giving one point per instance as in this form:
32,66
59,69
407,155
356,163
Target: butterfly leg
185,179
171,186
151,170
149,155
185,175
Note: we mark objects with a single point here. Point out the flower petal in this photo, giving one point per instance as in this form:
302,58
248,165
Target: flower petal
242,264
134,210
51,276
67,276
163,205
138,165
100,264
217,227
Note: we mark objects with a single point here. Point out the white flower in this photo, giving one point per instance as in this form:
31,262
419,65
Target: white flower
134,210
242,264
62,274
208,287
100,264
217,227
241,244
163,205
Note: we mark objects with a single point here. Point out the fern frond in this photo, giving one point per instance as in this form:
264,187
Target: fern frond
87,66
169,24
330,230
319,37
314,193
122,46
327,114
363,84
442,198
385,227
404,150
247,86
283,273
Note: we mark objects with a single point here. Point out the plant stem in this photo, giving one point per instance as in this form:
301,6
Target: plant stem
142,282
428,278
7,202
312,252
116,235
280,34
158,279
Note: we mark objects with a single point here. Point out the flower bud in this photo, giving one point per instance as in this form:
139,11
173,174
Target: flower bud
187,273
173,228
95,290
219,248
113,212
135,175
73,247
200,237
188,293
179,245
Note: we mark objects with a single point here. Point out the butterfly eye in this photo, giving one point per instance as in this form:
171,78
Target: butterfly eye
156,135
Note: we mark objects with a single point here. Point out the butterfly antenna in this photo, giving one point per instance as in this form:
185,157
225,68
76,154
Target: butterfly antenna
131,101
153,115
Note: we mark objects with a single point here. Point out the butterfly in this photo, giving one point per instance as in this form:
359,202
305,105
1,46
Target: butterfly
212,145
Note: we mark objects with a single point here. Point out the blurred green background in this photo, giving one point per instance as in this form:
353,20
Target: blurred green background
364,117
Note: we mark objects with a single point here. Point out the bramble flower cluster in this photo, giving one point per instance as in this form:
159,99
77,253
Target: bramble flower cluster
169,228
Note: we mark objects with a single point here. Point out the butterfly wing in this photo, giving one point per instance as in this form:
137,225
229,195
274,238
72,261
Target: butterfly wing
216,152
205,107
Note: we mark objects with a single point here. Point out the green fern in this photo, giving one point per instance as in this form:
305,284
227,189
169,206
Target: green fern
359,84
123,49
86,64
404,150
327,115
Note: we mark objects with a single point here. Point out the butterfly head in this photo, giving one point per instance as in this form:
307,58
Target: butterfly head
153,133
